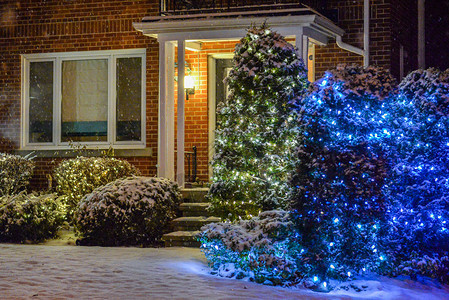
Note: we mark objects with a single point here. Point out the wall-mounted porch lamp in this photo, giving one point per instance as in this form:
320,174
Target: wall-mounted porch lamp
189,82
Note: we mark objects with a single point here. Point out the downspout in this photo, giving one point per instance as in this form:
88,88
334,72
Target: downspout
366,18
421,35
358,51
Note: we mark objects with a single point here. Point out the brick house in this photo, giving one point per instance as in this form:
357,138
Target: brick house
104,73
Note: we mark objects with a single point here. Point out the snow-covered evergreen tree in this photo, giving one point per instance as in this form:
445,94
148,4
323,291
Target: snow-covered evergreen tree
256,131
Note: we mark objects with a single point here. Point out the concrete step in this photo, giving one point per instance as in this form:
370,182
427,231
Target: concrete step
194,195
195,209
181,239
192,223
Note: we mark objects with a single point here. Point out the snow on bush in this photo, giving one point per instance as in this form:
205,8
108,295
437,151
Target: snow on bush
256,126
337,187
80,176
15,173
429,89
30,217
131,211
418,185
260,248
371,82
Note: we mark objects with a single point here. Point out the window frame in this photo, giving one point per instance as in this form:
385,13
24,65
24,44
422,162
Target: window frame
57,58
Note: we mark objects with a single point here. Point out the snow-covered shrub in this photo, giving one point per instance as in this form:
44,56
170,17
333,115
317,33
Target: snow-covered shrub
261,248
337,187
15,173
429,89
433,267
131,211
418,185
256,126
30,217
80,176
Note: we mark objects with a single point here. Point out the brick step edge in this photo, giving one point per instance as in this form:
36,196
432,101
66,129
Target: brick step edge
181,239
190,244
194,221
195,210
194,195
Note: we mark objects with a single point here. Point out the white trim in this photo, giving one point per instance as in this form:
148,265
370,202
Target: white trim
162,124
84,54
211,103
208,26
57,58
180,170
170,102
311,71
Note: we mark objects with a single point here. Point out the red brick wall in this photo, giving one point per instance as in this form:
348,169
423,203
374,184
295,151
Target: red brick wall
390,22
41,26
196,108
33,26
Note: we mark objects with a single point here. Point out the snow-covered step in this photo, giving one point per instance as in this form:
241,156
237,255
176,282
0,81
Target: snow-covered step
181,239
192,223
195,209
194,195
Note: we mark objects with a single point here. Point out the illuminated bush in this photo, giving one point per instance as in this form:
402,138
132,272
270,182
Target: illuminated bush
418,185
15,173
261,248
131,211
30,217
256,126
80,176
337,187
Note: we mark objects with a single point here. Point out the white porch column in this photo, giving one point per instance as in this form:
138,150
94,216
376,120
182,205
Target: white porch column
166,124
180,172
305,49
302,43
162,123
170,110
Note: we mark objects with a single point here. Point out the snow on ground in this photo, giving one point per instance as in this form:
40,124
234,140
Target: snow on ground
43,272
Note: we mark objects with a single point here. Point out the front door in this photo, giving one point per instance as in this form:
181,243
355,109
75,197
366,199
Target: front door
219,66
222,68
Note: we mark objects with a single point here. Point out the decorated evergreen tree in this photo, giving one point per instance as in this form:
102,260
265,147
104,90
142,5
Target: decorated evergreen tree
256,128
337,187
419,182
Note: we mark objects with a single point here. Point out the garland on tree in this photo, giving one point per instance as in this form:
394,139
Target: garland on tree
257,128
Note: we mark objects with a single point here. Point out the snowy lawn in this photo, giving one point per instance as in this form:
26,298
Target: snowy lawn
43,271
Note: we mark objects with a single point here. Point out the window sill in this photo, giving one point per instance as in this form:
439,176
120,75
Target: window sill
69,153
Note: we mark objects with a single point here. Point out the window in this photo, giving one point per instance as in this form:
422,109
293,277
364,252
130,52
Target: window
94,98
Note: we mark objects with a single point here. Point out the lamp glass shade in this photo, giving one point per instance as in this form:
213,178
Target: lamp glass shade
189,82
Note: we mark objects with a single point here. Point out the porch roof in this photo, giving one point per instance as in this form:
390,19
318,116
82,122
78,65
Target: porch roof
233,25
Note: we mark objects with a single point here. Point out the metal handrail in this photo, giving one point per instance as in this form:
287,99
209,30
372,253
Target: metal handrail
192,165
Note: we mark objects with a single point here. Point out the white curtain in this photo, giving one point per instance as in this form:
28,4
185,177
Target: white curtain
85,90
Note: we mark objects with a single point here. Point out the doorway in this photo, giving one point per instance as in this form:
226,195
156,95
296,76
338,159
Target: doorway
218,67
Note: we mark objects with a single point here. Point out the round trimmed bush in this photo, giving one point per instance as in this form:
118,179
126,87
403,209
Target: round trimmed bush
79,176
15,173
30,217
131,211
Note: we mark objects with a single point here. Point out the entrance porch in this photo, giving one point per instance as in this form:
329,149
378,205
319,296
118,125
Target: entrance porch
195,50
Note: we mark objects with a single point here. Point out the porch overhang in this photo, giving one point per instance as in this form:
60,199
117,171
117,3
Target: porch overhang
226,26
